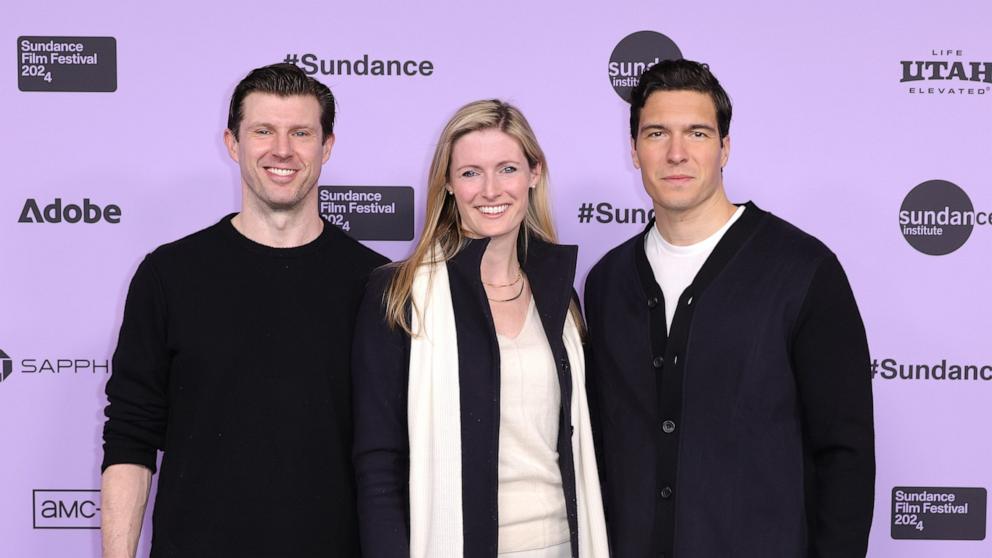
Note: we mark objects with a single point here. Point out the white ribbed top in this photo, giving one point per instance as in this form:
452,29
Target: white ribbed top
531,501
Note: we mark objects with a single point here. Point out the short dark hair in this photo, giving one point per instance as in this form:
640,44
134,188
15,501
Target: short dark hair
284,80
680,75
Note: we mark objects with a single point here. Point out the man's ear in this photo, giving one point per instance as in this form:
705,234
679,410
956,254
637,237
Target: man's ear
724,150
232,144
328,144
633,153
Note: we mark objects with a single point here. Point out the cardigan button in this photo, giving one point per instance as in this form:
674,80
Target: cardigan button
666,492
652,302
668,426
658,361
564,364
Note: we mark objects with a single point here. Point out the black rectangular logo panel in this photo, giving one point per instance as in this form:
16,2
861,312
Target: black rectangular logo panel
67,64
369,212
938,513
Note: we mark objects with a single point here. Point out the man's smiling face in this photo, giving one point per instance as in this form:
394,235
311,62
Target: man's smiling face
280,149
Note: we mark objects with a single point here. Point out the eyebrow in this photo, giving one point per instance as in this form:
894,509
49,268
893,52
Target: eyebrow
706,127
499,164
269,125
691,127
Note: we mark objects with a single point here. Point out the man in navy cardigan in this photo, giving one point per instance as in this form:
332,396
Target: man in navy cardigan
729,369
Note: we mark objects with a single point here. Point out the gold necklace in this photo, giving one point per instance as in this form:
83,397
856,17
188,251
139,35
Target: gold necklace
512,298
510,284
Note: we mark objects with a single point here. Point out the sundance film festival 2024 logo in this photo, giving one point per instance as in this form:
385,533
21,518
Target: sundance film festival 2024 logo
939,513
68,64
368,212
947,72
937,217
634,54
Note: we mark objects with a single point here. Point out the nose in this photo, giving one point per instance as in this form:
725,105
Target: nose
676,151
490,187
282,146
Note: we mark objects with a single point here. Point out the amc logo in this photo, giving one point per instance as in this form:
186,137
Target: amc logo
66,509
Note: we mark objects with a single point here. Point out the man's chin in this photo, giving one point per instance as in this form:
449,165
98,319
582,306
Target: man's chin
284,198
284,201
283,205
676,205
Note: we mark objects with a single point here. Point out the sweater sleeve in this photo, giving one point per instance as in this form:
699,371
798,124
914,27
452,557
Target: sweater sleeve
137,405
831,360
380,361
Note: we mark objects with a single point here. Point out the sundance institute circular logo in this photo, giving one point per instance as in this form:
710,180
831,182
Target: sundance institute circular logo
937,217
634,54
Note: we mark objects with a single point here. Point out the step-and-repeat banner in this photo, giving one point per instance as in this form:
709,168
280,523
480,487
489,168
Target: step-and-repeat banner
865,124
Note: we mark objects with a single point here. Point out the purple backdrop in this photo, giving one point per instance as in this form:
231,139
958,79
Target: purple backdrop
825,134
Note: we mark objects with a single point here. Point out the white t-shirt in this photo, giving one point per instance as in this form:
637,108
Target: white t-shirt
675,267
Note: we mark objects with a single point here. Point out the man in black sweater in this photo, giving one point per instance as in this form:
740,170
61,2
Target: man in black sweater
233,357
729,370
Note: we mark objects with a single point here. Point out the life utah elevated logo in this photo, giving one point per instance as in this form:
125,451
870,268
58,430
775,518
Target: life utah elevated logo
947,72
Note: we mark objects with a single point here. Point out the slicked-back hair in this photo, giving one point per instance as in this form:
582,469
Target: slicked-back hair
680,75
284,80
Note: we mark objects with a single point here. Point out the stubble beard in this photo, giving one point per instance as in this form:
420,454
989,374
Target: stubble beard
296,201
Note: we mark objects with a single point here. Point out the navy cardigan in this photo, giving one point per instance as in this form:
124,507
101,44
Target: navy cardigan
746,431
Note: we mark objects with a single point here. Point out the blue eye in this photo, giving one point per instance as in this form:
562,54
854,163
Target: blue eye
469,173
508,169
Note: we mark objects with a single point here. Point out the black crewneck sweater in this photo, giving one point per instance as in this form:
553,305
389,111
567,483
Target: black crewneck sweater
233,359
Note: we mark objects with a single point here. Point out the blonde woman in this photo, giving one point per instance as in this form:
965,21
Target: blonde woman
472,434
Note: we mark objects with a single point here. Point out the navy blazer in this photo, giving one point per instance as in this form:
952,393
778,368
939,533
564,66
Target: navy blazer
380,368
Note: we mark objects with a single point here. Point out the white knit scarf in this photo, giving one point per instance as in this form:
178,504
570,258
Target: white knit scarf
433,413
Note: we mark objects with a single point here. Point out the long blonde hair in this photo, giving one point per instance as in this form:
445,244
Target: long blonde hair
442,225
